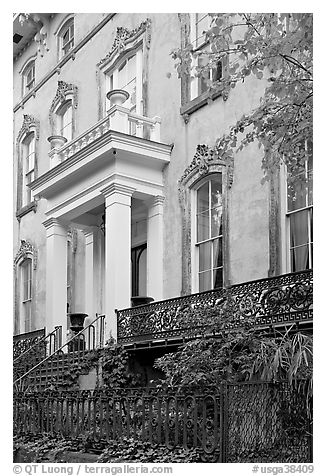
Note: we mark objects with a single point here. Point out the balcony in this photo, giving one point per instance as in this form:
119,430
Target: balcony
118,119
277,302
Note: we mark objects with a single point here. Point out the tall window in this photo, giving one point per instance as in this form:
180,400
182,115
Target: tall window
29,77
28,166
199,24
65,121
26,293
299,215
209,234
66,38
127,76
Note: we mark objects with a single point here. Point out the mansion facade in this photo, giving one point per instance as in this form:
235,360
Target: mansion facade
120,197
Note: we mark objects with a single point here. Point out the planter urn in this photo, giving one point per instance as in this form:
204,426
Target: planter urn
77,321
117,97
57,141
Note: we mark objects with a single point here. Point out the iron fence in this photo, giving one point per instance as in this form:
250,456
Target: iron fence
278,300
252,422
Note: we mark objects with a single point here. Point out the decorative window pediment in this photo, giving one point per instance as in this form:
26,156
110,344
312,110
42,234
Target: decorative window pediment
26,251
126,40
30,124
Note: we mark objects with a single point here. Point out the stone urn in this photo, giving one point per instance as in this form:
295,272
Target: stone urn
77,321
141,300
117,97
57,141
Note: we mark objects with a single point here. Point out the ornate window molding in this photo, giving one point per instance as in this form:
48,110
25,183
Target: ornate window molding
66,92
30,126
126,43
25,253
206,161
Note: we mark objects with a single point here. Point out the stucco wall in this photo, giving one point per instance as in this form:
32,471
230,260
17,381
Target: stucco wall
248,207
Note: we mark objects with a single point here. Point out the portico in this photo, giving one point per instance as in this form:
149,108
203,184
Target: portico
117,177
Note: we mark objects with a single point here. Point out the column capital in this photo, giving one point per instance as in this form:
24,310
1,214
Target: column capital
51,222
117,188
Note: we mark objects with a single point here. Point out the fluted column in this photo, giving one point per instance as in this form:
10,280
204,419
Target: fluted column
56,275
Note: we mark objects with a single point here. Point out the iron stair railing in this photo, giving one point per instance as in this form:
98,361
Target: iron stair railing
34,354
73,351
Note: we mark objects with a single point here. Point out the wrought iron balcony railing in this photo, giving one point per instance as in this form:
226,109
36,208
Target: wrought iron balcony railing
279,300
22,342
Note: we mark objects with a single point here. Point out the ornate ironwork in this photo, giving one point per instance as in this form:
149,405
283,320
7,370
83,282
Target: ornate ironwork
279,300
247,422
23,342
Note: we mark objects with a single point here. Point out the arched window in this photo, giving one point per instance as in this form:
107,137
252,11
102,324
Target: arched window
26,294
66,38
28,156
28,77
63,111
24,265
209,233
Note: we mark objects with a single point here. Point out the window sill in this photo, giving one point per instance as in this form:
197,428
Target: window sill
26,209
199,102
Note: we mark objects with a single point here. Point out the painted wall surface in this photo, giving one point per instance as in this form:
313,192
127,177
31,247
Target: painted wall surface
248,207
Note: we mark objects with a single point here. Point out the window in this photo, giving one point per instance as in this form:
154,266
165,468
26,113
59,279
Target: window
139,270
28,166
66,38
299,215
26,293
65,121
127,75
209,234
29,77
199,24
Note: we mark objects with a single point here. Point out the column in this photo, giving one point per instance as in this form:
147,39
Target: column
117,252
56,275
155,248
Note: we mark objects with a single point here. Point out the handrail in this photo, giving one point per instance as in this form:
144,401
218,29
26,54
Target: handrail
57,329
58,351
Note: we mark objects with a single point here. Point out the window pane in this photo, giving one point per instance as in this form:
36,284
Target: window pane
205,256
300,258
205,281
218,278
216,203
203,226
202,198
297,193
217,253
299,228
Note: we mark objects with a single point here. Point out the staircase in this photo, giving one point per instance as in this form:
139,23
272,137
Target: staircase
52,370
